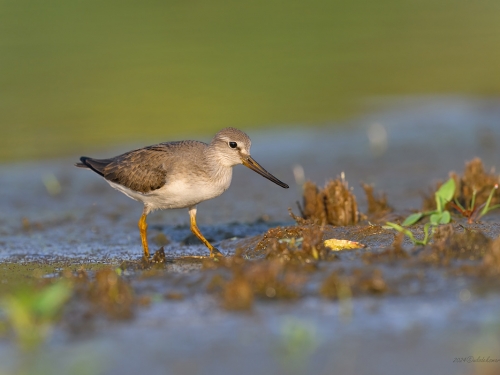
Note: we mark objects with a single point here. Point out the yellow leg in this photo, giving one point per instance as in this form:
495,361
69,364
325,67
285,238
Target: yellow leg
143,228
214,252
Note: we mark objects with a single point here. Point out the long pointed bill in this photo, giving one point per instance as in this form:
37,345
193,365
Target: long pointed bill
254,166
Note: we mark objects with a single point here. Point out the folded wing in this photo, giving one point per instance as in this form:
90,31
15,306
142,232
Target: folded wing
139,170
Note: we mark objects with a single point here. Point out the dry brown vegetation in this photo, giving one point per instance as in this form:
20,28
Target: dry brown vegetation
378,206
292,257
341,285
334,204
105,293
475,179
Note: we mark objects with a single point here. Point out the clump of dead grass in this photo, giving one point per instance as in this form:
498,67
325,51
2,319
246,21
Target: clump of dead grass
378,206
290,254
106,292
476,179
449,245
239,282
491,260
334,204
297,244
341,285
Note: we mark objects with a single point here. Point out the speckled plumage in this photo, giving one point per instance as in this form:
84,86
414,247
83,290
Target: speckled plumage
178,174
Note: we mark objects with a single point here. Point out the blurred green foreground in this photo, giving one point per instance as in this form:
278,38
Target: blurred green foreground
76,76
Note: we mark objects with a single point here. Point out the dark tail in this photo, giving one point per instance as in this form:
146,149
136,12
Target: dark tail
97,165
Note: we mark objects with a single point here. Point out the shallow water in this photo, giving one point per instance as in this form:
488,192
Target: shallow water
420,332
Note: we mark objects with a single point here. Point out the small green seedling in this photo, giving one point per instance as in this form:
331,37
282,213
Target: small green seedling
298,341
439,215
31,313
409,234
474,213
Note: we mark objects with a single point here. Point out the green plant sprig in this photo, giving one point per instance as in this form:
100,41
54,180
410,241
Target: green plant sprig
32,313
438,216
474,213
409,234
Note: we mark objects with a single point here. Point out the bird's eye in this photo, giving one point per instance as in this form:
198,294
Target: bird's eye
233,144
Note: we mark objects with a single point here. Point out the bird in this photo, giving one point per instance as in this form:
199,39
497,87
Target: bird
178,174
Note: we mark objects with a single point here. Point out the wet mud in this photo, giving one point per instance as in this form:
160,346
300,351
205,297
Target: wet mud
280,301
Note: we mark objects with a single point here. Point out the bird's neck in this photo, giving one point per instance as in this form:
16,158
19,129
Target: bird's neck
216,167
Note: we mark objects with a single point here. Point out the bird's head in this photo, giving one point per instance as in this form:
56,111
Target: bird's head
233,147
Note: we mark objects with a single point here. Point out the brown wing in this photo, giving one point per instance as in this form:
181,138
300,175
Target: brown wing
141,170
147,169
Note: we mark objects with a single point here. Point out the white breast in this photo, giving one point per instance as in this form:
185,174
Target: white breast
179,193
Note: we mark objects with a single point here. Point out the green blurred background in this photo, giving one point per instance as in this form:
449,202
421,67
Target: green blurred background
77,76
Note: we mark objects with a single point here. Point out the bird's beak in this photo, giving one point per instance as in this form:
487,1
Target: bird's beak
254,166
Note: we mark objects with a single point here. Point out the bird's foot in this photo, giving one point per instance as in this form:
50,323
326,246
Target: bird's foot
145,262
215,253
158,256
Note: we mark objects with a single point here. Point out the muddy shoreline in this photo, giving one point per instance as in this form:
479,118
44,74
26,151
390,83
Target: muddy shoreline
372,310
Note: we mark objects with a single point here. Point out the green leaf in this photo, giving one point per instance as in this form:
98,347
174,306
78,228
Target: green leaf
459,205
446,191
52,299
473,201
435,218
412,219
445,218
426,234
494,207
488,201
400,229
